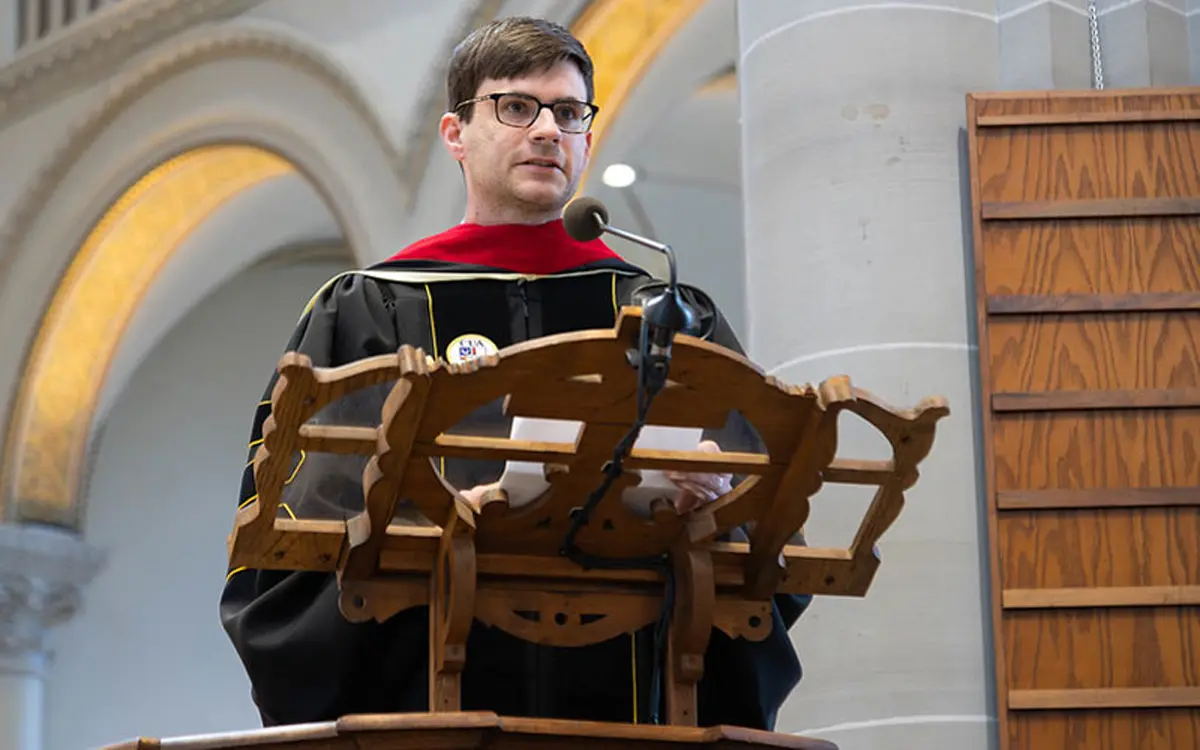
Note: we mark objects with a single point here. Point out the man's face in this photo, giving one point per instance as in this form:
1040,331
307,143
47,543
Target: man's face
514,173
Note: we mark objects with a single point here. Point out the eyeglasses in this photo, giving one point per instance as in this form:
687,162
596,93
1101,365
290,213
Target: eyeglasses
522,110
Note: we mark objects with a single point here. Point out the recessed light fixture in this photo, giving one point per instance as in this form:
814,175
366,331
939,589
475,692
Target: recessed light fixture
619,175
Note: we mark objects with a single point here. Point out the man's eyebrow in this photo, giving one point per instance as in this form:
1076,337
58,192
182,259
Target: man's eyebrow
567,98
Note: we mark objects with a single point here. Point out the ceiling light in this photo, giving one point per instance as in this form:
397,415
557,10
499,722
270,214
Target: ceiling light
619,175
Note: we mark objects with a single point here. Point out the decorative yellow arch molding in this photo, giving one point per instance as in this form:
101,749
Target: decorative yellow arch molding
98,295
121,257
623,38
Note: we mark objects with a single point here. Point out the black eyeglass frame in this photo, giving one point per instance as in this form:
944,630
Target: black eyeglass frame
495,97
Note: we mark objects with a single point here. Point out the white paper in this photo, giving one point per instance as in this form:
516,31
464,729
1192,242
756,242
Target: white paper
523,481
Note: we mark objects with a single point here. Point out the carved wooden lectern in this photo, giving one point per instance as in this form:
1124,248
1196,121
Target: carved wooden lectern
501,564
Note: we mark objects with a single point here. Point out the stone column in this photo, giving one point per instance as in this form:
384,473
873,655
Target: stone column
1044,46
1193,25
1144,43
1049,45
42,575
8,35
858,246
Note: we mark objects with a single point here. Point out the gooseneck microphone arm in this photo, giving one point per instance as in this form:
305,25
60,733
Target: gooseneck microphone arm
586,219
672,278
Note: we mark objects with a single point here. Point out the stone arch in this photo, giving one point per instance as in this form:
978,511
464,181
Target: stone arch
87,317
188,52
70,247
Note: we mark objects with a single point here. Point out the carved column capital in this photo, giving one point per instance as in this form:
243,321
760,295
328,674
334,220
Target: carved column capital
43,572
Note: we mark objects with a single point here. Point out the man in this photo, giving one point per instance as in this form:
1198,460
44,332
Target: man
519,122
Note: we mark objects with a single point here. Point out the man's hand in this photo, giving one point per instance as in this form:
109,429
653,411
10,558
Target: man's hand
475,495
696,488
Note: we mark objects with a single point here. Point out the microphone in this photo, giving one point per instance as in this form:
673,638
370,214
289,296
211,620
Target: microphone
586,219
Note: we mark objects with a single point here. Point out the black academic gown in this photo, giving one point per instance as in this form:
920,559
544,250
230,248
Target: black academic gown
307,663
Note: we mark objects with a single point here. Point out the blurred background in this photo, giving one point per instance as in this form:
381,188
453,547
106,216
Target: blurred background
177,177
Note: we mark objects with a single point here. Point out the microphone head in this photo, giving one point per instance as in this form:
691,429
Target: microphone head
585,219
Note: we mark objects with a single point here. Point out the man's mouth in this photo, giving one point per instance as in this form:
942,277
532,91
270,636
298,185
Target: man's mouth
547,163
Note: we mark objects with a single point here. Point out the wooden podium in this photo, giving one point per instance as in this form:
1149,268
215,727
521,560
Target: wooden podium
502,564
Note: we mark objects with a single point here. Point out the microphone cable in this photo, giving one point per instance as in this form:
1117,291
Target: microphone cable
652,372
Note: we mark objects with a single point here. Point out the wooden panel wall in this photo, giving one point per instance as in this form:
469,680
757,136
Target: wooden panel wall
1087,247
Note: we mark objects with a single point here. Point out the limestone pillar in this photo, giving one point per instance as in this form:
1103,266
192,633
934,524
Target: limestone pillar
1144,44
1193,26
42,575
1046,46
8,37
857,242
1055,45
21,700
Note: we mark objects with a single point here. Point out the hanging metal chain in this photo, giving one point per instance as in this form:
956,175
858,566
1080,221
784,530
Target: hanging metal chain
1097,67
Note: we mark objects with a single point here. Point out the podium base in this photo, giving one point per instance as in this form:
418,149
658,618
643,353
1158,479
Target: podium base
469,731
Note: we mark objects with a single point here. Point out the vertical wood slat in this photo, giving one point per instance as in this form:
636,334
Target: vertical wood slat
980,280
1087,278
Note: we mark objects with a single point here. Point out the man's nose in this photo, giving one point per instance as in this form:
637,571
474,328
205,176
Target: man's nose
544,127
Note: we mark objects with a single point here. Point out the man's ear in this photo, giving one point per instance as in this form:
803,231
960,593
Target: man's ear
451,128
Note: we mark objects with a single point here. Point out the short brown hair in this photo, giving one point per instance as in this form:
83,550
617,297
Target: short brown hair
511,48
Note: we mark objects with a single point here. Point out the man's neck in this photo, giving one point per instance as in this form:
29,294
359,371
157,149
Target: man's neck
511,216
